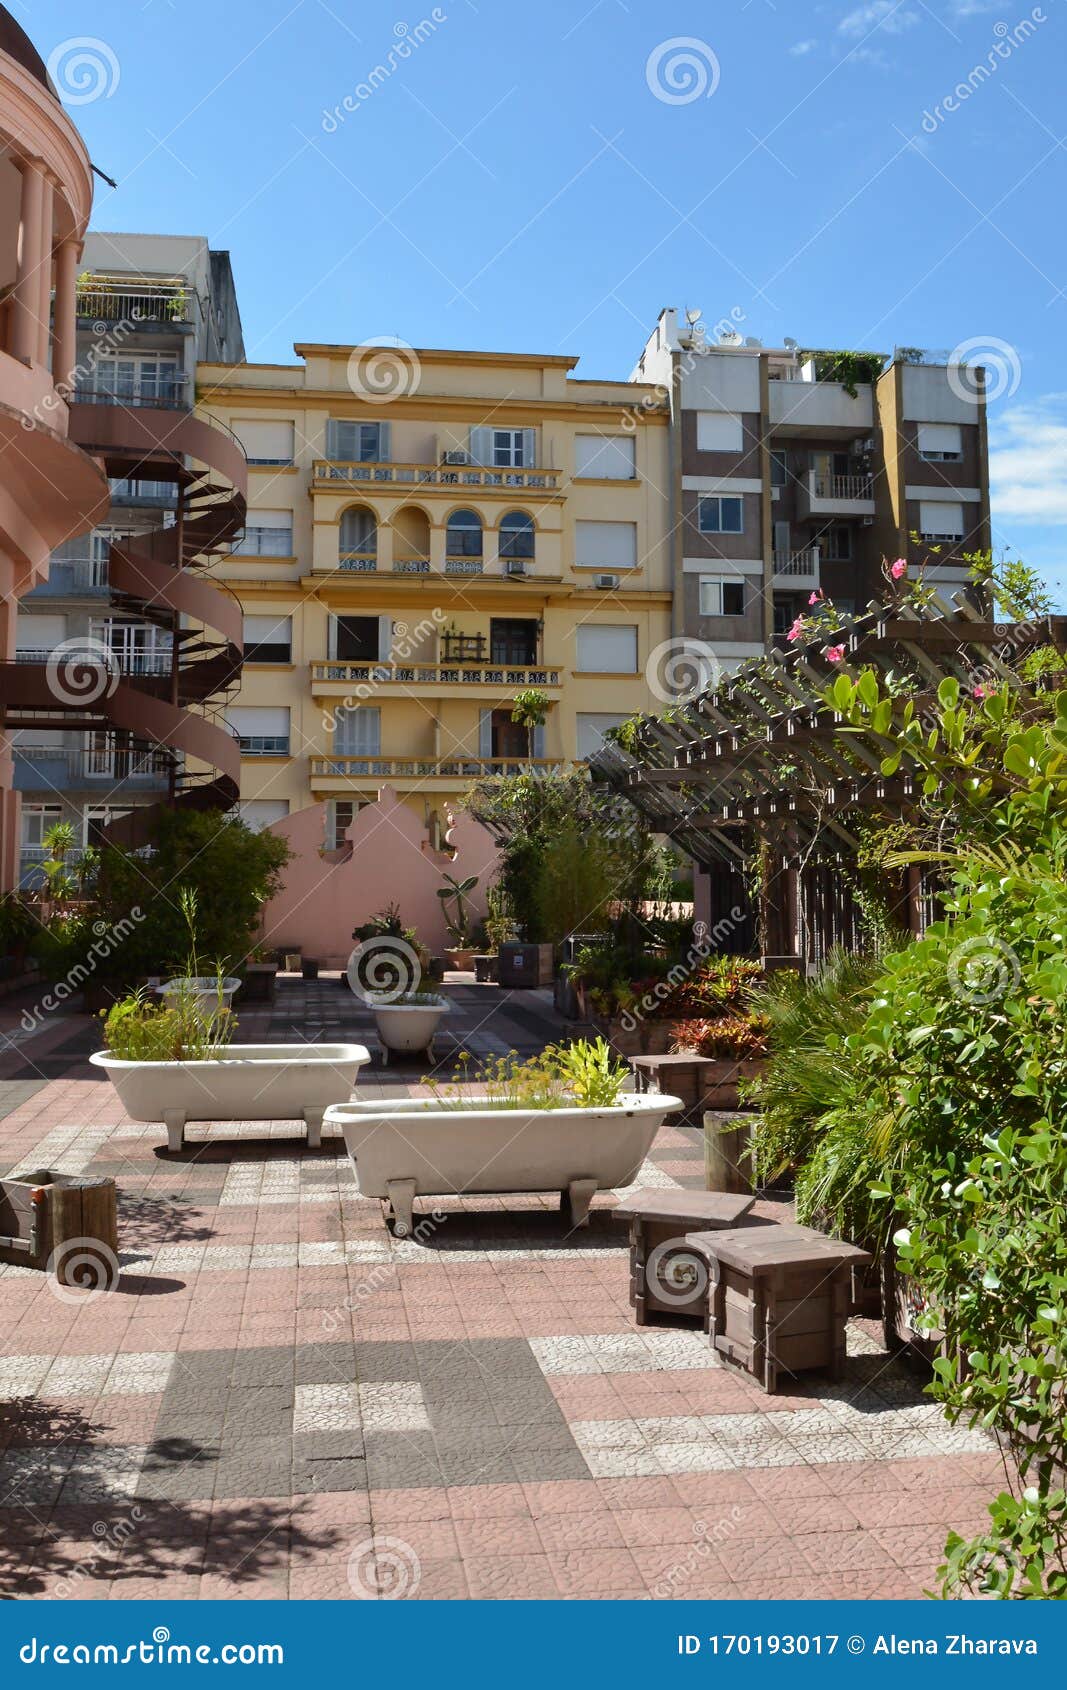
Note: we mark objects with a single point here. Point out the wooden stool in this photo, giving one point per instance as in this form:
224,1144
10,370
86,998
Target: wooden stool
686,1076
666,1276
779,1298
63,1223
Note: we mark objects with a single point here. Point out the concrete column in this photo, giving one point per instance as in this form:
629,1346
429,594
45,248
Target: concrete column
44,274
25,298
64,349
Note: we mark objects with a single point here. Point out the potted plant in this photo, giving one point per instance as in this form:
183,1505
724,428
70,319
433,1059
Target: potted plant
563,1121
170,1062
210,993
407,1024
455,893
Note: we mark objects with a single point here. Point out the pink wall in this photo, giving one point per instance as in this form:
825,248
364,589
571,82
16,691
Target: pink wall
391,861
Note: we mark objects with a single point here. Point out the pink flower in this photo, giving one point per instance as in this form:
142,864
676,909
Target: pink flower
899,568
816,596
796,630
834,653
979,691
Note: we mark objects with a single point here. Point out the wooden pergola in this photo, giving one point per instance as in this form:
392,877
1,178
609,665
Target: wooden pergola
757,781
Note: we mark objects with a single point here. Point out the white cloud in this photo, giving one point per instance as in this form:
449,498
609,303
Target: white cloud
971,8
888,15
1028,462
800,48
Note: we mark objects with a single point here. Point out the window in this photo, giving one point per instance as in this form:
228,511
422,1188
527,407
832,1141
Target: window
356,639
262,730
605,545
140,648
149,378
719,431
263,812
607,649
340,814
266,442
940,521
516,535
268,639
779,469
513,641
940,443
600,457
38,635
358,732
591,728
357,442
504,448
835,544
507,448
721,598
721,516
358,537
98,819
464,535
36,821
267,534
786,612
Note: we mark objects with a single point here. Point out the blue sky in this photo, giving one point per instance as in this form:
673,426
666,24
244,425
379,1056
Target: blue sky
546,177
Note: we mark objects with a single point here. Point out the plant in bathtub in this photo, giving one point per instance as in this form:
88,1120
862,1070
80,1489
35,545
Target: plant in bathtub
138,1030
571,1126
407,1021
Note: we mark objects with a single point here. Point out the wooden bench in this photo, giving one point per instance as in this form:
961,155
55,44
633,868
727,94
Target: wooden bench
667,1278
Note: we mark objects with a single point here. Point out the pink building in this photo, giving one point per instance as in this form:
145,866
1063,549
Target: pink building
50,490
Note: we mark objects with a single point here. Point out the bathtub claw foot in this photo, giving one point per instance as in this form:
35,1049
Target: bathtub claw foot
576,1200
174,1121
313,1119
401,1197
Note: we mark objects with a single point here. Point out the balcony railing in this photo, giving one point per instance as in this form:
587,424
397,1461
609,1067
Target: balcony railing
127,490
55,767
411,566
358,563
415,768
124,662
464,566
797,563
435,475
842,486
72,577
434,674
134,302
163,395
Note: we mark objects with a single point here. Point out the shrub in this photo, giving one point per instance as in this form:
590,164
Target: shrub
137,1030
734,1038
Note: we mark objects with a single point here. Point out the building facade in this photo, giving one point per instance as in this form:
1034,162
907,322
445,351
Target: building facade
411,565
787,482
148,309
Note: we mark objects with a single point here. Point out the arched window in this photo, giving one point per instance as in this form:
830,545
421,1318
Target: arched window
516,535
359,533
464,534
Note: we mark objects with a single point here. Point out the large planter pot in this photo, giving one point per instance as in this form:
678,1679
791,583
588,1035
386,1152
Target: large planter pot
461,959
249,1083
722,1081
728,1154
208,994
413,1147
407,1029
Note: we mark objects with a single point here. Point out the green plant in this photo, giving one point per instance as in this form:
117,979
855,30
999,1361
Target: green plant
137,1030
848,368
406,1000
499,923
582,1075
529,708
455,892
733,1038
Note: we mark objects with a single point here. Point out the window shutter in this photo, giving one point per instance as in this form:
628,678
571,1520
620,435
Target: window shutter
537,741
940,437
603,457
529,448
266,442
607,648
385,638
342,440
719,431
936,517
384,435
481,445
485,733
781,537
331,636
605,545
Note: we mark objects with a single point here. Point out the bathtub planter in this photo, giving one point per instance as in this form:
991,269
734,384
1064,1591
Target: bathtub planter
209,994
408,1029
247,1083
413,1147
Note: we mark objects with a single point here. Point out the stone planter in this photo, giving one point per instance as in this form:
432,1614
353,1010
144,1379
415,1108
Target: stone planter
525,965
208,994
460,958
413,1147
408,1029
249,1083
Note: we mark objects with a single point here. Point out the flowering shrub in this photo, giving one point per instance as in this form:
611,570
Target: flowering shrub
733,1038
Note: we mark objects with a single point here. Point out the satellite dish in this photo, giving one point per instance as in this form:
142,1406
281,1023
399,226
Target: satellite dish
694,316
790,344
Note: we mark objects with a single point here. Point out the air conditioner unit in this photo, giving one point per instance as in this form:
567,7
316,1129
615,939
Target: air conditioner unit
456,458
868,444
515,566
605,583
868,522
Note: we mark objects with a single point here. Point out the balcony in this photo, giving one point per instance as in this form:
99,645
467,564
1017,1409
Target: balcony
64,768
797,569
129,299
336,679
336,774
145,495
835,495
265,745
148,662
172,394
820,407
447,477
73,576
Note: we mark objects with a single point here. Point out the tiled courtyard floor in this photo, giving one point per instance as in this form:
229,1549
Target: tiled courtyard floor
281,1400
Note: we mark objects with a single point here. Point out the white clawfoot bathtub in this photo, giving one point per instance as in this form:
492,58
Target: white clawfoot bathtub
248,1083
412,1147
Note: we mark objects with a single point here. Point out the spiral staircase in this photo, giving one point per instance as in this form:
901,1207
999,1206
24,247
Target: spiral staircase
161,577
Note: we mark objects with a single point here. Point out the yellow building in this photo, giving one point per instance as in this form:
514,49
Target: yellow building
429,534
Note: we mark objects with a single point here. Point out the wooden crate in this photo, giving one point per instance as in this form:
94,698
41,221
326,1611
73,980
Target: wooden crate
667,1279
778,1299
63,1223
